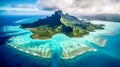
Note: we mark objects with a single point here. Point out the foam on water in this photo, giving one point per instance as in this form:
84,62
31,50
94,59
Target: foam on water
61,44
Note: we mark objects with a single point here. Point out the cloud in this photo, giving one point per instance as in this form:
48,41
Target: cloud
74,7
22,9
78,7
22,5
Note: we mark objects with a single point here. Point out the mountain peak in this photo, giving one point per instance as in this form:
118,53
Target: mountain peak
59,12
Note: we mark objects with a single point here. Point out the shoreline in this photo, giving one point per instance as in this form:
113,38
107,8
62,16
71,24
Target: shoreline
58,40
64,58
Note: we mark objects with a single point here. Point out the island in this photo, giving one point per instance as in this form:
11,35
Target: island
59,36
60,23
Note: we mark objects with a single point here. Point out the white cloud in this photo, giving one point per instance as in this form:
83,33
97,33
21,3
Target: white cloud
23,9
22,5
78,7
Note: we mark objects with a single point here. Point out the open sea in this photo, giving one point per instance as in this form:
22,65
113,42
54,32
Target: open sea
107,56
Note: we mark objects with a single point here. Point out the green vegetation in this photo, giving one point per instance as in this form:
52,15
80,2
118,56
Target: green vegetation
45,32
60,23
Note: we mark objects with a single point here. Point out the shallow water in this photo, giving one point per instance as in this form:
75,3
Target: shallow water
107,56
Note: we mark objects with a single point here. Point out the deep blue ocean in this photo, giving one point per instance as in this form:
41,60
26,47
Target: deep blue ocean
108,56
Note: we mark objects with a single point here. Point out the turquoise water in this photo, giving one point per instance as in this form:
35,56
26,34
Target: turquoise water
107,56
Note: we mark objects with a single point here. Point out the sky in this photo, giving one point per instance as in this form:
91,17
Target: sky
21,7
43,7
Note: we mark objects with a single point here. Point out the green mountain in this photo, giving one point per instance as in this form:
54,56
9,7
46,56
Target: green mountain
60,23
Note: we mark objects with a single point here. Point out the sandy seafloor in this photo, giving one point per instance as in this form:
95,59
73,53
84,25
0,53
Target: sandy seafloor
106,56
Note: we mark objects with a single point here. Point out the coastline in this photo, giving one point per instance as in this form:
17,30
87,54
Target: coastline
56,40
